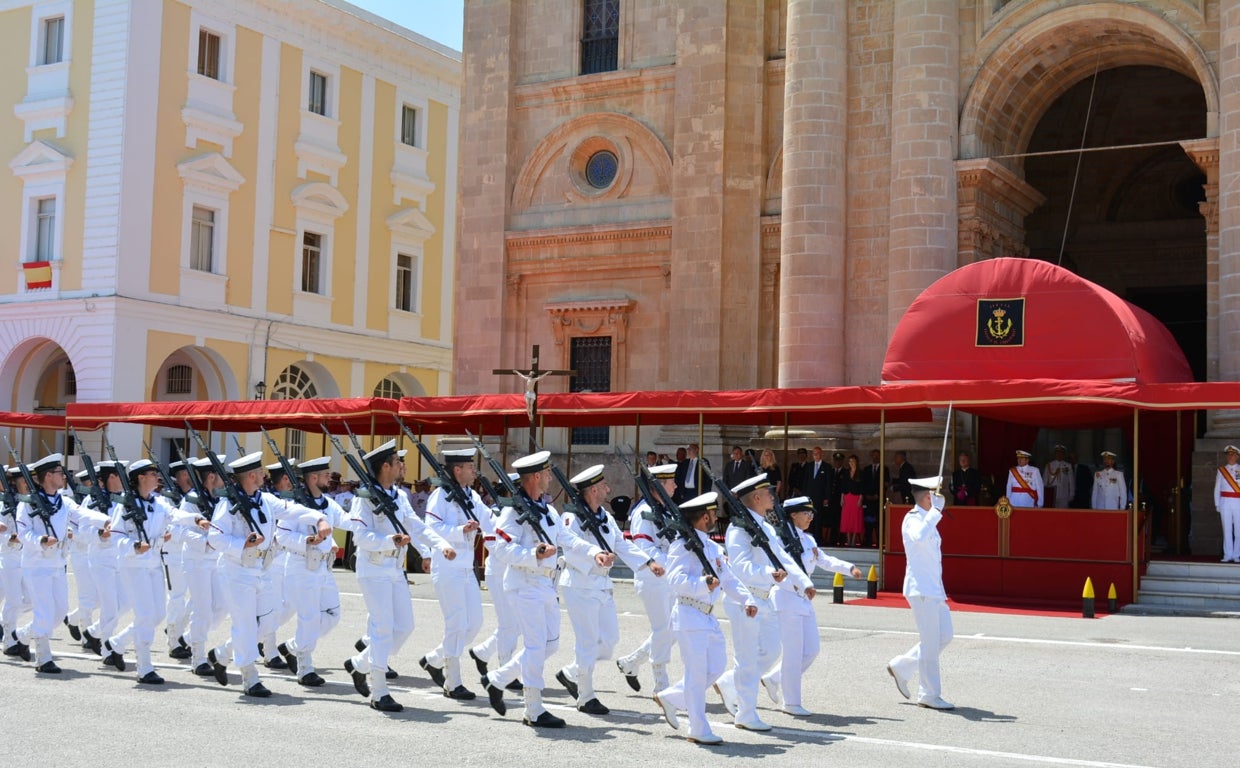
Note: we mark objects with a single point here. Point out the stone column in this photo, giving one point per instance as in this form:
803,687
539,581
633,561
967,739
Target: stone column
992,203
814,204
1229,195
924,126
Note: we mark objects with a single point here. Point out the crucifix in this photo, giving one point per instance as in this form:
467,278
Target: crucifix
531,377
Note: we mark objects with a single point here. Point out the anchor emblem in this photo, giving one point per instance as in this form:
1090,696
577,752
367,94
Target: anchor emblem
1000,325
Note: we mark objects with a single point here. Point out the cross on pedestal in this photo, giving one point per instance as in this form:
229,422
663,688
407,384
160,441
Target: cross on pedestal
532,376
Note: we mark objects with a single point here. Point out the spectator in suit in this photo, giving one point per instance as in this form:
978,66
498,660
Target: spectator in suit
738,469
904,472
690,481
1082,498
796,486
835,499
652,459
966,482
818,481
873,478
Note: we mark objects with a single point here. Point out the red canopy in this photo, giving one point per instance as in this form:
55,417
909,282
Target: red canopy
244,415
31,421
1010,319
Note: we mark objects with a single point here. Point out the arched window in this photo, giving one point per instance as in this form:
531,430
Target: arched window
180,380
389,387
294,383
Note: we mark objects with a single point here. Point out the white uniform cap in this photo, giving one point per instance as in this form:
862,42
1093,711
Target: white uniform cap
663,471
798,504
277,467
929,483
752,484
591,476
315,465
80,474
1231,449
140,466
401,453
459,456
205,461
1025,454
708,500
380,454
47,462
535,462
1108,453
246,463
514,476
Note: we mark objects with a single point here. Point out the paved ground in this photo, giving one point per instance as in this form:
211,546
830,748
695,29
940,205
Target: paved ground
1119,691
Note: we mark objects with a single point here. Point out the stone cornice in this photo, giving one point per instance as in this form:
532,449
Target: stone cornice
610,86
554,238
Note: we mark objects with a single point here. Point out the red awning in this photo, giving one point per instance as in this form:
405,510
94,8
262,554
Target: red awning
31,421
1010,319
244,415
480,414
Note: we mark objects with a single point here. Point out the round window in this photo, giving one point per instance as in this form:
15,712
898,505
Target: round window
601,169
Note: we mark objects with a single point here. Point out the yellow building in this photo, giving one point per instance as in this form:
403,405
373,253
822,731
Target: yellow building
209,199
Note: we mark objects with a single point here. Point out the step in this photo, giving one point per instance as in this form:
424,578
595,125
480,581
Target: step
1191,586
1182,569
1191,601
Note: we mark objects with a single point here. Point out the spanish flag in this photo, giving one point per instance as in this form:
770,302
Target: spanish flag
38,274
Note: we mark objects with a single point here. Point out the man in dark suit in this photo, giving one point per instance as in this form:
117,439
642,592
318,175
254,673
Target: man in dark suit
904,472
817,482
1084,491
738,469
872,475
796,481
690,480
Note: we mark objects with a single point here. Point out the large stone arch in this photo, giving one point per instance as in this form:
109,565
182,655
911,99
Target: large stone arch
548,174
1032,62
217,376
23,369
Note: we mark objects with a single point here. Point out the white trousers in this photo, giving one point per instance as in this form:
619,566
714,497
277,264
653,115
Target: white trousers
755,652
49,597
502,642
178,599
539,615
460,601
657,600
798,635
84,584
16,599
934,628
207,606
113,597
316,602
247,591
389,619
704,654
147,590
596,630
1230,513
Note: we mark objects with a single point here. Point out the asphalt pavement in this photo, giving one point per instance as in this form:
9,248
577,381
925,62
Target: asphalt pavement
1030,690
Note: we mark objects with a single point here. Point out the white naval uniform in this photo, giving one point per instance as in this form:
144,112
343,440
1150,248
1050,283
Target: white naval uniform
1227,502
172,554
1059,476
309,585
798,624
243,571
1110,489
703,649
381,577
143,574
755,642
13,592
530,584
114,600
207,605
43,567
587,593
501,644
456,587
656,596
923,588
83,612
1018,496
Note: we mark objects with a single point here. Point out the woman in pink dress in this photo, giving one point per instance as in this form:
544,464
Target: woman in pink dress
852,522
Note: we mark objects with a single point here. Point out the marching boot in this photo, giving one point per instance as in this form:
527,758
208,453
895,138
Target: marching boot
359,678
453,687
43,657
535,715
113,659
478,662
563,679
495,695
251,683
661,681
436,673
92,642
289,657
381,699
629,670
588,702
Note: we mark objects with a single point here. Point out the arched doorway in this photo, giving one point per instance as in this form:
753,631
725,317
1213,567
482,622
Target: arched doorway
189,373
40,378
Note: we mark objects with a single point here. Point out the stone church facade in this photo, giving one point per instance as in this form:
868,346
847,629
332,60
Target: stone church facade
727,194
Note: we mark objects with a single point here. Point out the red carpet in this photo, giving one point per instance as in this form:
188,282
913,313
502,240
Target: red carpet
983,605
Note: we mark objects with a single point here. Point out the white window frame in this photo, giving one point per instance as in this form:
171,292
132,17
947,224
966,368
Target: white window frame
318,143
299,268
31,195
44,25
415,296
329,70
208,111
421,105
41,13
409,177
317,207
228,35
215,239
36,231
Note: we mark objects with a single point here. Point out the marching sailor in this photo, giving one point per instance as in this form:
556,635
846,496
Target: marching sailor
1226,501
83,612
105,568
698,594
1024,483
14,593
501,644
654,592
381,576
588,589
1110,489
280,486
199,558
172,550
530,582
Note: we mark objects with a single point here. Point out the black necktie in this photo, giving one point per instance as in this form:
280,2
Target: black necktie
256,502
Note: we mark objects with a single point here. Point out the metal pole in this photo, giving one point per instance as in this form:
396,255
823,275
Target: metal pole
1136,500
638,455
783,464
882,495
419,452
1177,500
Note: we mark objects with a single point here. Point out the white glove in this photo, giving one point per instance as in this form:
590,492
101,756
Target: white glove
937,501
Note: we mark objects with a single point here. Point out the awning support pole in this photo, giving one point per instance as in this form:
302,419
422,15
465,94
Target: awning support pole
638,455
882,484
1136,501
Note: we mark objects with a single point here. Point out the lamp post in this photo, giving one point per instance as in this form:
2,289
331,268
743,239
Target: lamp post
260,390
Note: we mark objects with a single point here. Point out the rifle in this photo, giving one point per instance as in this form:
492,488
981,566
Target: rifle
100,495
788,535
739,516
300,493
444,478
943,458
8,499
370,486
202,499
39,505
239,502
129,499
586,515
526,512
665,514
170,492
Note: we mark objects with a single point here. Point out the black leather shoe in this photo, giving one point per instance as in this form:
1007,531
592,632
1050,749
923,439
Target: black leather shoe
569,685
258,691
515,685
289,658
311,680
217,669
593,707
360,645
359,679
386,704
204,670
545,720
92,642
479,663
74,632
436,673
18,649
461,692
180,654
113,659
275,662
390,674
48,668
495,695
150,678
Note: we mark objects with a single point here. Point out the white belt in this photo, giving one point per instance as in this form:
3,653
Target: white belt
379,557
259,559
548,572
762,593
701,605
